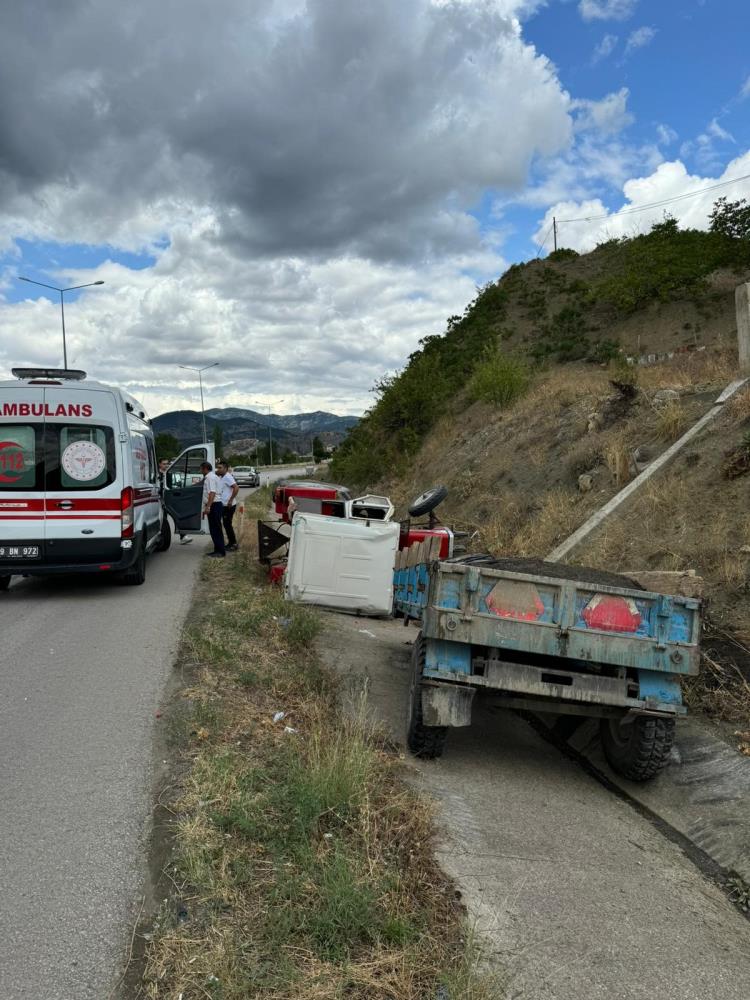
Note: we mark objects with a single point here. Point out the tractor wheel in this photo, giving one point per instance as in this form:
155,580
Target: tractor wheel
637,749
428,501
423,741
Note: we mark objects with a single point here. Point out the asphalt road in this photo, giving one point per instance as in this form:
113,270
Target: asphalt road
84,667
576,895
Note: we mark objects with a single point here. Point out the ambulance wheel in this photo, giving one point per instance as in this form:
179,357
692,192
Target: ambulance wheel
637,749
165,536
423,741
136,575
4,582
428,501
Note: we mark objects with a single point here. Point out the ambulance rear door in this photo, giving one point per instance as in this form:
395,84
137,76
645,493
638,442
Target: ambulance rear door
84,462
22,491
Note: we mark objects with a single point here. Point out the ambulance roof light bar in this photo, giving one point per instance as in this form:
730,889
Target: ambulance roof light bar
69,374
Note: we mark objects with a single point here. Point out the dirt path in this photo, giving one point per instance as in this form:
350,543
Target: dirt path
576,895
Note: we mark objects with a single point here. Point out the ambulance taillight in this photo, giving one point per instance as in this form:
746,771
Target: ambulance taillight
127,506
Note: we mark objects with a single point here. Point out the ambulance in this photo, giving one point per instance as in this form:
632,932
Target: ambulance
80,490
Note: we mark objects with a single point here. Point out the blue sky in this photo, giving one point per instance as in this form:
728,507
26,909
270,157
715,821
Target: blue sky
304,189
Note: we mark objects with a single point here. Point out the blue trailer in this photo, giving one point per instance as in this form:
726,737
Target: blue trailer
546,638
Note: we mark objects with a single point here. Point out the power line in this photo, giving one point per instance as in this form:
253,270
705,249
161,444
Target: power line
656,204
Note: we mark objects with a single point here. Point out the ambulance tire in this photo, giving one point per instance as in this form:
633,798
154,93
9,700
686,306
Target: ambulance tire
639,749
165,536
427,742
136,575
4,582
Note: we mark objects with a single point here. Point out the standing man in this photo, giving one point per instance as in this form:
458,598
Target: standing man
163,466
212,509
229,491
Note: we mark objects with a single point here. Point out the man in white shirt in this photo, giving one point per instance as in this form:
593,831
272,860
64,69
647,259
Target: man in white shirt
212,509
229,491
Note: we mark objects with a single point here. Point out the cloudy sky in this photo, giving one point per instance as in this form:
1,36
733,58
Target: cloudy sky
302,189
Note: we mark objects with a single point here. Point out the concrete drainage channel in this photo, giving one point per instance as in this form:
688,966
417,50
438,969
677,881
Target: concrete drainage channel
701,801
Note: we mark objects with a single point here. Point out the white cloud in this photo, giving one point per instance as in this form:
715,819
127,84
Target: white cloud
303,170
669,180
606,116
666,134
316,333
745,90
607,10
638,39
604,49
717,132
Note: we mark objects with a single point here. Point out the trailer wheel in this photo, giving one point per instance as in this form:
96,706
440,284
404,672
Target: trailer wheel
428,501
423,741
136,574
165,536
4,582
638,749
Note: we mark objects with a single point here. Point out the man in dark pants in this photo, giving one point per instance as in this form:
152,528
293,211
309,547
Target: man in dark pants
229,491
213,508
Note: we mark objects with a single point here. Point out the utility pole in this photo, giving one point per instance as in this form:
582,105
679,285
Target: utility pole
554,231
62,291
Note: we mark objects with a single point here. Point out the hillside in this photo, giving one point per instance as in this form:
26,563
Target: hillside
667,291
241,428
530,443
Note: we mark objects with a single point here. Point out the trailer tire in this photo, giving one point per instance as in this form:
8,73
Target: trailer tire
427,742
428,501
135,575
639,749
4,582
165,536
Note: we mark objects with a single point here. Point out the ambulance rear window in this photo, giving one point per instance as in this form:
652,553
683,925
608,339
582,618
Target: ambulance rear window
80,457
20,451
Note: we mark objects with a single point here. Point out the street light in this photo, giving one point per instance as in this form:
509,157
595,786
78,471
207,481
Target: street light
54,288
200,383
270,438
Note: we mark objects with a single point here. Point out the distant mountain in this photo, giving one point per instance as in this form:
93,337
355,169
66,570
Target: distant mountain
293,431
296,423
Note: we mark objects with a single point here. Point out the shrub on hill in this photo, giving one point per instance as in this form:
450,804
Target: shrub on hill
500,379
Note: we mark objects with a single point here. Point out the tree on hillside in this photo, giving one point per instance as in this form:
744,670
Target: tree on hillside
167,446
218,440
731,218
319,449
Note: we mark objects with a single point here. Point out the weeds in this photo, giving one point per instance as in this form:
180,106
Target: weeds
301,863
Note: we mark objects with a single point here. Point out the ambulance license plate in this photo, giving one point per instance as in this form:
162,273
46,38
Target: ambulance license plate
19,551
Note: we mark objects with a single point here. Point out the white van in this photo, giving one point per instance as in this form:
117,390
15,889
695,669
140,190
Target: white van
79,483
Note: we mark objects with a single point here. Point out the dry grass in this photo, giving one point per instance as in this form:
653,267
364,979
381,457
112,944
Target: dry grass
671,421
739,406
716,366
519,531
301,865
618,457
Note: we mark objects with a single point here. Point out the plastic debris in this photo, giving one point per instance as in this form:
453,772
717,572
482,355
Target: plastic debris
278,716
366,631
289,729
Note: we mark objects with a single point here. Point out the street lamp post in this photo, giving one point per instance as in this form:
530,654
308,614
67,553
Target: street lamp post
62,291
270,431
200,383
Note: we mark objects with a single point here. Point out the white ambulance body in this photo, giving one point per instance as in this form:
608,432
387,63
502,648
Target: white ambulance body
79,482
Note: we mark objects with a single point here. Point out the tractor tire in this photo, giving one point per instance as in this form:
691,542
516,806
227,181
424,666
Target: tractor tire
427,742
135,575
4,582
639,749
428,501
165,536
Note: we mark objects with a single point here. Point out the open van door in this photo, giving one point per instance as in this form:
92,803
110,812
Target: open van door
183,488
